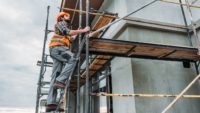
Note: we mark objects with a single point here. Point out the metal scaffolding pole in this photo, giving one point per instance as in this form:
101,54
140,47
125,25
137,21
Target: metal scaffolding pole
193,6
78,78
68,102
193,27
194,1
90,97
181,94
102,78
185,21
73,15
108,90
42,63
145,95
87,102
197,67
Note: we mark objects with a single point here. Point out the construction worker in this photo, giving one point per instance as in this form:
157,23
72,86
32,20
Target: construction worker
61,54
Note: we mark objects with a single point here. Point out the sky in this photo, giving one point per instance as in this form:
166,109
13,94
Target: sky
22,24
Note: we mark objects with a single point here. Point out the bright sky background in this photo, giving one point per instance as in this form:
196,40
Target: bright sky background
22,24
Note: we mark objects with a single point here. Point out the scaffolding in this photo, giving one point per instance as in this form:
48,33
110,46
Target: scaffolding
43,64
97,52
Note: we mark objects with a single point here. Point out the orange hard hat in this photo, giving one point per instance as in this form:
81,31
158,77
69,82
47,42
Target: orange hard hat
61,14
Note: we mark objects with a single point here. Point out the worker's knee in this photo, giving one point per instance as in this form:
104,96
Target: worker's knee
61,54
66,56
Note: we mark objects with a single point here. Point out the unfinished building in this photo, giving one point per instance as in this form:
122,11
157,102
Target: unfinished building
137,65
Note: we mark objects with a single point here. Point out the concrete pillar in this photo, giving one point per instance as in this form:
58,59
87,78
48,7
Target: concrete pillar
122,82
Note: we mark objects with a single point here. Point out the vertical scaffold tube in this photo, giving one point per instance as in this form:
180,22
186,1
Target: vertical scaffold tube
87,102
78,79
42,63
186,24
193,26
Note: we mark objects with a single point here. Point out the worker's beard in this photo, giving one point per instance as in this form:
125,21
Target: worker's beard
68,21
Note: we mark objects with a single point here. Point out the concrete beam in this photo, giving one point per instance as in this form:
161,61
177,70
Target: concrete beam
149,24
143,23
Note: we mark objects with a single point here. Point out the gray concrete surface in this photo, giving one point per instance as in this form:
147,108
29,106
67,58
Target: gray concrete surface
151,76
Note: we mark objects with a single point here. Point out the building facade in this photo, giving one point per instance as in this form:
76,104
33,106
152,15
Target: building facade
159,23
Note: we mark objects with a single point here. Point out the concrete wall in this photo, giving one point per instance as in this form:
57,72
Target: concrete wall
139,34
150,76
163,77
122,82
159,11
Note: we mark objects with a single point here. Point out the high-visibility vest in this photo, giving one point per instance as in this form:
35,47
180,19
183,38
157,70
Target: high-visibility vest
59,40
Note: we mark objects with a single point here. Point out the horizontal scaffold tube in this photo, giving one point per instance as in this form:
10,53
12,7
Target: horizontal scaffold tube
143,95
181,94
127,18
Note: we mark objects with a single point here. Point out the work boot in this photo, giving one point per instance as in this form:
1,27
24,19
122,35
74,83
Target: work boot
53,107
59,85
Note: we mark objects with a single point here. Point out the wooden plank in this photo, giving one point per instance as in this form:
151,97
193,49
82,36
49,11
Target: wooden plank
91,74
109,45
150,51
104,56
143,50
102,21
185,55
105,50
166,54
100,65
